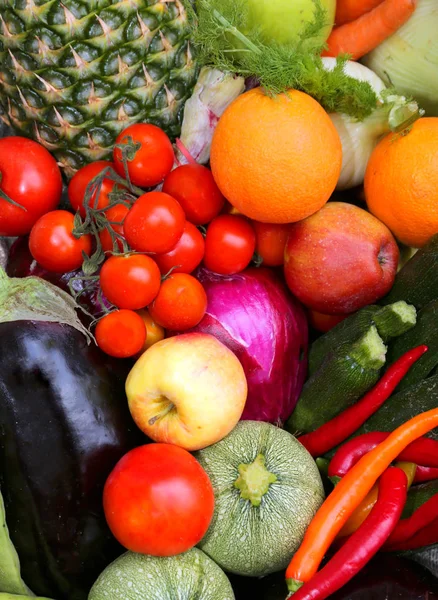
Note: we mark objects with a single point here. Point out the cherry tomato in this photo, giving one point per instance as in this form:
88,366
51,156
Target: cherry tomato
30,176
53,245
229,244
180,304
271,241
121,333
196,190
186,255
158,500
152,161
130,281
155,223
115,214
154,332
79,182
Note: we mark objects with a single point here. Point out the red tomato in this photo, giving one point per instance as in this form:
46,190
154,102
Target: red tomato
186,255
121,333
229,244
52,244
115,215
155,223
271,241
152,161
78,185
322,322
29,176
180,304
158,500
196,190
130,281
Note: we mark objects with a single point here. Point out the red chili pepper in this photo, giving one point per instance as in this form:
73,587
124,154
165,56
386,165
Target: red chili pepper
423,474
423,451
424,537
337,430
364,543
424,516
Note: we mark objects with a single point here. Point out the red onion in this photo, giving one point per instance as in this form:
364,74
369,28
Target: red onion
254,314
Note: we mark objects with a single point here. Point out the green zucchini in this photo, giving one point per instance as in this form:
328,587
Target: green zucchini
425,332
403,406
343,377
417,281
391,321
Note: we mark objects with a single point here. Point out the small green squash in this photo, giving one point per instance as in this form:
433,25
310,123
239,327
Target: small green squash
267,490
188,576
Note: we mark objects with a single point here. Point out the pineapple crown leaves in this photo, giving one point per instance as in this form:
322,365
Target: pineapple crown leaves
220,34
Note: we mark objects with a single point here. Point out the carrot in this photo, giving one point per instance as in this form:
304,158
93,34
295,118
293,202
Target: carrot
368,31
350,10
348,494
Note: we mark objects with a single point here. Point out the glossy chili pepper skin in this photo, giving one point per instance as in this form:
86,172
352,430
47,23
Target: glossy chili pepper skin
364,543
423,474
424,516
349,493
337,430
423,451
424,537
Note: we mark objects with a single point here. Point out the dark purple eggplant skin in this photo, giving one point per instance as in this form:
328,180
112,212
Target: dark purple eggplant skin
64,424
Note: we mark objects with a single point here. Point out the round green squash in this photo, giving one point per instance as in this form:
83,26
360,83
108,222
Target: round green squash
267,490
140,577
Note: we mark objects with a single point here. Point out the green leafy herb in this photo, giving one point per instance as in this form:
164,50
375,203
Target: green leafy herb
223,41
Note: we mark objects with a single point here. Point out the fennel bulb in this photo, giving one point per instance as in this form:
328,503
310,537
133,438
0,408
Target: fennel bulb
359,138
408,60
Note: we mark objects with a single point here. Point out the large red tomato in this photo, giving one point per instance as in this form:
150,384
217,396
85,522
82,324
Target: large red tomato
30,176
158,500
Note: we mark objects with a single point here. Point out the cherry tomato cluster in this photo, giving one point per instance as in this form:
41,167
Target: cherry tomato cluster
150,241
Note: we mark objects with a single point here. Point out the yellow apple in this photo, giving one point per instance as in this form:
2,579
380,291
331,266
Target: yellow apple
189,390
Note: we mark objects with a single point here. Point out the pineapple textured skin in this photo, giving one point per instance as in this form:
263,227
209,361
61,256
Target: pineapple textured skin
75,73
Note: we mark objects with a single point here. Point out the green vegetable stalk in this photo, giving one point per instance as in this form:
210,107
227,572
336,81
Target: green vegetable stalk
226,42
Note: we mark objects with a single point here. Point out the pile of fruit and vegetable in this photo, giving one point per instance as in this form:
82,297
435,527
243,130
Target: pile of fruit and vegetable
219,298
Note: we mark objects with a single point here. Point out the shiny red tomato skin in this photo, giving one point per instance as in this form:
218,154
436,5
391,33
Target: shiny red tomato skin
158,500
79,182
115,214
31,177
271,241
197,192
186,255
53,246
153,160
229,244
130,281
154,224
121,333
180,304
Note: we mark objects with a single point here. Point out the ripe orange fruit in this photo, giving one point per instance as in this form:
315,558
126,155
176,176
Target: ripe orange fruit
277,160
401,183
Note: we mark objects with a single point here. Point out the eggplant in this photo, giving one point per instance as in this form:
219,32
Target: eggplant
64,423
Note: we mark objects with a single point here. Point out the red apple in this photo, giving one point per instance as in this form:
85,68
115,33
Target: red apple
340,259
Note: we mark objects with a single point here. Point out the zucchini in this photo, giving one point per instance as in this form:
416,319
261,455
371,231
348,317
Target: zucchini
343,377
425,332
391,321
417,281
403,406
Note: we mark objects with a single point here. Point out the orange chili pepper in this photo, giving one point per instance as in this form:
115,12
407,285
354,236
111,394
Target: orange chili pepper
348,494
365,507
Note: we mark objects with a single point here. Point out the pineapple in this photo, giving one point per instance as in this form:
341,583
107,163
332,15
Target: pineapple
74,73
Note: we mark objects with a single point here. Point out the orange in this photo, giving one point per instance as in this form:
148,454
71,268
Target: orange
276,160
401,183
